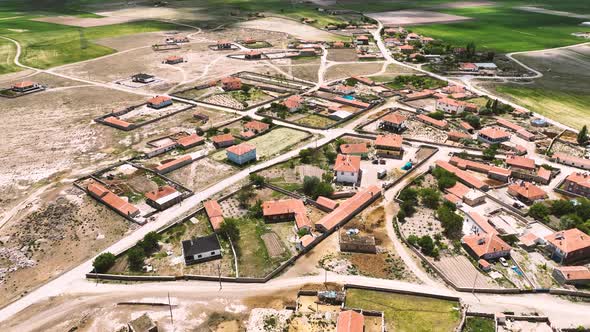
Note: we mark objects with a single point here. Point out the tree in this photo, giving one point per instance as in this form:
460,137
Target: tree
438,115
255,211
426,245
562,207
539,211
150,242
135,257
310,184
470,50
570,221
430,197
103,262
226,130
452,223
413,240
490,152
258,180
473,120
229,229
306,155
445,178
244,195
267,121
401,216
583,136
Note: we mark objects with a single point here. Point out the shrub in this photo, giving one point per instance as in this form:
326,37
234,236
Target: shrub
135,256
452,223
426,245
229,229
539,211
430,197
103,262
258,180
413,240
150,242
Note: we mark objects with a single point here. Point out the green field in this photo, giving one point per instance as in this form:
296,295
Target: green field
406,312
47,45
479,324
7,53
504,29
572,109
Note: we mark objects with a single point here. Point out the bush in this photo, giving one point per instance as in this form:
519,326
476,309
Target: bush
258,180
314,187
229,229
103,262
452,223
401,216
413,240
426,245
136,256
473,120
150,242
539,211
438,115
445,178
430,197
562,207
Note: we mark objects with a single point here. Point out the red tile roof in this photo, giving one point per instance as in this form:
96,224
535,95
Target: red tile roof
420,94
389,140
577,160
347,163
355,103
462,175
117,122
326,202
350,321
432,121
482,223
24,84
574,273
466,125
527,190
287,206
112,200
545,174
520,162
494,133
256,125
509,125
293,101
158,100
355,148
161,192
173,58
172,163
459,190
222,138
570,240
467,66
394,118
241,148
581,179
483,244
214,212
364,80
306,240
406,47
348,207
190,140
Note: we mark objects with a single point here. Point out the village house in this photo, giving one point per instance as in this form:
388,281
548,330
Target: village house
224,44
25,86
190,141
357,243
293,103
326,204
394,122
174,164
492,171
117,123
578,183
492,135
348,208
412,36
389,145
526,192
338,44
214,213
241,154
362,40
163,197
463,176
158,102
565,159
347,169
486,246
350,321
307,52
304,241
519,130
143,78
453,106
568,246
572,275
466,126
355,149
467,66
406,49
223,140
419,95
461,193
286,210
101,193
253,55
457,136
173,59
518,162
231,83
201,249
256,127
440,124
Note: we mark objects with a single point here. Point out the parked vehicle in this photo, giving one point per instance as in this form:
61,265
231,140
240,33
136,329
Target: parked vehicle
503,262
381,173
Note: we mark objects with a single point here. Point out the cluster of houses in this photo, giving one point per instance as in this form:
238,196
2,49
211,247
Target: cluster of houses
404,44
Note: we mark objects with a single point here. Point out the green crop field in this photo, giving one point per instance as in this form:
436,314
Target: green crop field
504,29
407,312
7,53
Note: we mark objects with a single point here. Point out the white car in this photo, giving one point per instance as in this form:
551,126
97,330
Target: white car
503,262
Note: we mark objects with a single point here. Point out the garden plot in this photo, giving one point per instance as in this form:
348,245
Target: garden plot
427,104
271,143
419,130
407,312
202,173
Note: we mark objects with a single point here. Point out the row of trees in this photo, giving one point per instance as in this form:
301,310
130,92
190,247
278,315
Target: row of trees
135,256
570,214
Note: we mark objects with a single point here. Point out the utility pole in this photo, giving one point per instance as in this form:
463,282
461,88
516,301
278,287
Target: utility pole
170,307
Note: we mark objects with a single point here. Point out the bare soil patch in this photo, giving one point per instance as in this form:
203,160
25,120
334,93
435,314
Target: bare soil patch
346,70
415,17
291,27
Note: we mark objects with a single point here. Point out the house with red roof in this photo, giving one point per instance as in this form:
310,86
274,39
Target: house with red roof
526,192
214,213
493,135
463,176
419,95
256,126
362,40
355,149
158,102
25,86
242,153
565,159
223,140
286,210
173,59
190,141
578,183
389,145
453,106
519,162
350,321
117,123
348,209
253,55
393,122
231,83
440,124
406,49
347,169
572,275
171,165
163,197
120,205
486,246
568,246
224,44
304,241
326,203
293,103
468,66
